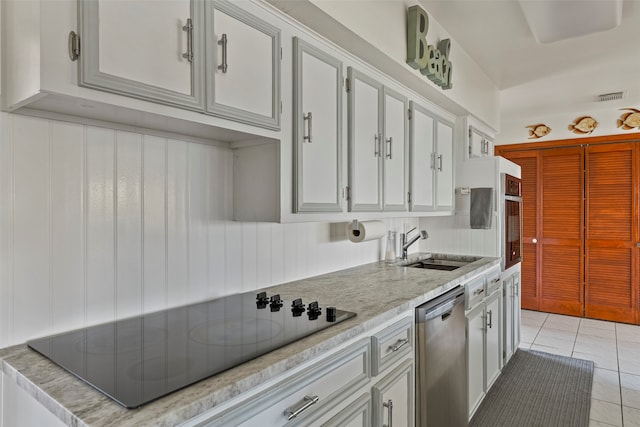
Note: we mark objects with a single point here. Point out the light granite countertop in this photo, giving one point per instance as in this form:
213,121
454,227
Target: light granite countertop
377,292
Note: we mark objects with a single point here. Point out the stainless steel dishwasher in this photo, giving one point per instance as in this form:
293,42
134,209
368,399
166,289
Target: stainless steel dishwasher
441,373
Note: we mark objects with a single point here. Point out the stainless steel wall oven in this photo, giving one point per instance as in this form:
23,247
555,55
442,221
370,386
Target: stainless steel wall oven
512,227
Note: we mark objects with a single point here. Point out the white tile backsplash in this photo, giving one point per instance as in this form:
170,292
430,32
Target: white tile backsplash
98,224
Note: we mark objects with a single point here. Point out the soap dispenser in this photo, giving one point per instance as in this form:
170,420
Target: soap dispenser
390,255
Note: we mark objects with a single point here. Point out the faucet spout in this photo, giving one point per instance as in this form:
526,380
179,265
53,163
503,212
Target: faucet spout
406,244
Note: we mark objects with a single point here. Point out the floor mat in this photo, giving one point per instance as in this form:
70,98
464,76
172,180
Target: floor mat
538,389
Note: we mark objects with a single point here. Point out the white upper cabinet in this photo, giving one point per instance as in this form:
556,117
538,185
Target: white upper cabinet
444,165
365,143
395,151
432,166
422,155
478,139
317,129
151,50
378,146
243,65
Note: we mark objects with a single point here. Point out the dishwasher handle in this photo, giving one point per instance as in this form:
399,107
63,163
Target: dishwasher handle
442,311
441,306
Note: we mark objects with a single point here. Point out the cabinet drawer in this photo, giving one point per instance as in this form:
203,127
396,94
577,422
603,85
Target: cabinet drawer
335,378
391,344
494,281
474,292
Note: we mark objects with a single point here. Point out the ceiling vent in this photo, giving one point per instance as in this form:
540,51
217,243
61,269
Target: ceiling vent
609,96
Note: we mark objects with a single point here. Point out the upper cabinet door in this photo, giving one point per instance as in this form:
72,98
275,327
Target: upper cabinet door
365,143
476,143
318,129
422,147
395,151
444,165
149,50
243,63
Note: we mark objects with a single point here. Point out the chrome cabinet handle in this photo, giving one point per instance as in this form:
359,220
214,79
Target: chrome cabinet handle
440,162
389,406
308,118
223,42
496,280
399,344
478,291
490,319
390,142
189,29
293,411
376,145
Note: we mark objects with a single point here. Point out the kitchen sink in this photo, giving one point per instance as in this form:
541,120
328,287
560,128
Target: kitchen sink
445,263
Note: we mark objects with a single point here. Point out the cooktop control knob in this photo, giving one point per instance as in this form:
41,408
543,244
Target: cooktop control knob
262,300
297,307
276,303
314,310
332,314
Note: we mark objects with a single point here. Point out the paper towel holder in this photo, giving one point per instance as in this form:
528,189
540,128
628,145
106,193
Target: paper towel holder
354,227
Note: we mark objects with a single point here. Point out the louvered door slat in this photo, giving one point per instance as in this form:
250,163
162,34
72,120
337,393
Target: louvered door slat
610,242
561,267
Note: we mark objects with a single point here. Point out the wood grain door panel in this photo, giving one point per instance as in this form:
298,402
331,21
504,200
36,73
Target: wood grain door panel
582,204
611,230
561,221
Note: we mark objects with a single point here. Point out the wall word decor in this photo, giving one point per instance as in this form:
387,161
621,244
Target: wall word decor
432,61
583,125
538,131
630,120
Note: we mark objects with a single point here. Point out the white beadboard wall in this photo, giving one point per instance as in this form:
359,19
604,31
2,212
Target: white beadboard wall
98,224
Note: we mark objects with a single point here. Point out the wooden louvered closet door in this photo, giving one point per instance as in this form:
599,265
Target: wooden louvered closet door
560,269
528,161
611,232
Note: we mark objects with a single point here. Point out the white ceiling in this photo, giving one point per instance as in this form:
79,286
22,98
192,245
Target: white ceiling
496,35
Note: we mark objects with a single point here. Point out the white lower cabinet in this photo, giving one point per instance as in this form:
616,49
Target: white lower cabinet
511,302
484,340
393,397
337,390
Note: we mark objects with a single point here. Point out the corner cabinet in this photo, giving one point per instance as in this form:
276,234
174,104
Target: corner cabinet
378,150
149,50
431,183
242,65
318,84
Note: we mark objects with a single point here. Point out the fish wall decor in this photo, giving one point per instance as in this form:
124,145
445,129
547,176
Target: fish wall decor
629,120
538,131
583,125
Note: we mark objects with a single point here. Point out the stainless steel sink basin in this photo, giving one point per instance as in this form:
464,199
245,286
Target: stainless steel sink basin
448,263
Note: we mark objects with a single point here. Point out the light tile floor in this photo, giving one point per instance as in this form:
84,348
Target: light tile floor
614,349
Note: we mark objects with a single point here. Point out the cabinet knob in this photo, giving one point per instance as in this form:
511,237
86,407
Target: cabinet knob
534,240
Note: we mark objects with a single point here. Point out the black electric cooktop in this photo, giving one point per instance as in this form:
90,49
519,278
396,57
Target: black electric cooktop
137,360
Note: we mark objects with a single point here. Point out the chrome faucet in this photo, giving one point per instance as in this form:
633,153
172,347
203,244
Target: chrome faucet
405,244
